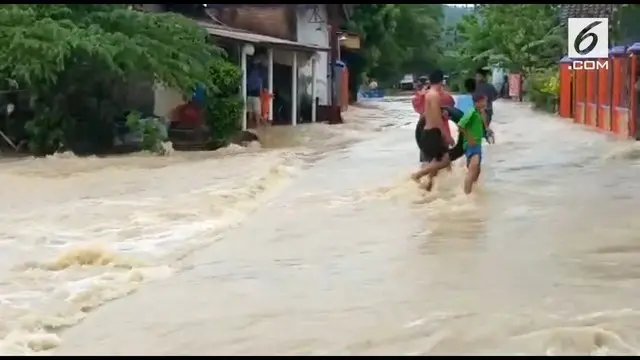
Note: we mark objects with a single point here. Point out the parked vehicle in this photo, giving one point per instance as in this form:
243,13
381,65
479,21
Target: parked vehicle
407,82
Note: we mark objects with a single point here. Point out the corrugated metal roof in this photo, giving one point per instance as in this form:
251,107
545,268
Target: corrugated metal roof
228,32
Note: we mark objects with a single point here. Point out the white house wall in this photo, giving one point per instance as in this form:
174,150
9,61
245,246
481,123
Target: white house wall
311,33
284,57
166,99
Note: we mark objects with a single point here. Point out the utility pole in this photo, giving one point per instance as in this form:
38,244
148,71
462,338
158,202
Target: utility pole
334,44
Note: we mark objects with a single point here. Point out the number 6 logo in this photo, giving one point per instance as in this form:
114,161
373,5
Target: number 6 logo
584,35
588,38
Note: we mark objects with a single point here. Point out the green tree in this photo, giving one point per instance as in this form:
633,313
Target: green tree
75,60
376,25
625,28
520,37
397,38
418,35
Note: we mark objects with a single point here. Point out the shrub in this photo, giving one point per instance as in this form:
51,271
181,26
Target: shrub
150,131
223,106
543,89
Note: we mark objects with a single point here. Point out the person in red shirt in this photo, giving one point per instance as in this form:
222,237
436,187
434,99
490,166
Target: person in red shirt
187,115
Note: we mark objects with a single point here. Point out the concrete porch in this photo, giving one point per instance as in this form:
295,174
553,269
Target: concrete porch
278,51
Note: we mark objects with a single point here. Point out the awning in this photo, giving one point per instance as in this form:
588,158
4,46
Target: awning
227,32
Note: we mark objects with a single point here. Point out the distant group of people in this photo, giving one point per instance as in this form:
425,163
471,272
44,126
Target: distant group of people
473,114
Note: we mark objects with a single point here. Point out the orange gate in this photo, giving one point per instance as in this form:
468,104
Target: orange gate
604,96
634,99
580,92
620,94
591,79
566,88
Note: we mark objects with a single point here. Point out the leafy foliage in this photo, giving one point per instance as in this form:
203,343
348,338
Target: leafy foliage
625,28
223,105
149,130
518,37
42,42
75,62
543,87
452,16
397,38
524,38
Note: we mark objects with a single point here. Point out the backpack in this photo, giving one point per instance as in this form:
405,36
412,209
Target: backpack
418,102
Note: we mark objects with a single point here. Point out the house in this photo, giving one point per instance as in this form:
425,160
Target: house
323,24
308,25
299,41
303,38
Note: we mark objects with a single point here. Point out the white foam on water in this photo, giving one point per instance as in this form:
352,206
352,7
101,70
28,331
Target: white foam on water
81,232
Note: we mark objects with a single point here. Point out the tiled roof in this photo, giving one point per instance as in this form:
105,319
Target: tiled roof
587,10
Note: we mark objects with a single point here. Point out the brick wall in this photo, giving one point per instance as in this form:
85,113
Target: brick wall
272,20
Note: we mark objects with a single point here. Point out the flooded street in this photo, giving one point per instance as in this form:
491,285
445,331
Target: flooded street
319,244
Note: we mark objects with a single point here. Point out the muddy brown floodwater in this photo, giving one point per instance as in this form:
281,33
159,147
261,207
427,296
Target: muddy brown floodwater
319,244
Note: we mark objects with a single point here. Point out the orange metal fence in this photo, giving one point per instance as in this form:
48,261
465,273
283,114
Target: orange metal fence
565,108
604,97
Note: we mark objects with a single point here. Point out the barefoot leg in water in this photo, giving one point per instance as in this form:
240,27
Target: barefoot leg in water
429,185
432,168
473,173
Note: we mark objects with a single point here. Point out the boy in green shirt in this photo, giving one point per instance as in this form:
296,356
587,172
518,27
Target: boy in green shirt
472,128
